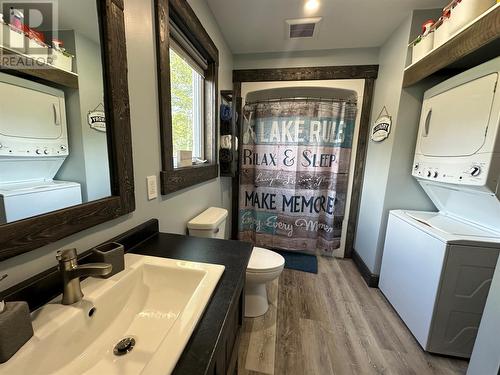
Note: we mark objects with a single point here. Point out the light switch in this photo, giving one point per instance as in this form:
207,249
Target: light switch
152,188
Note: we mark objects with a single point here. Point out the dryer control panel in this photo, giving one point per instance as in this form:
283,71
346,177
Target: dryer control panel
467,171
33,148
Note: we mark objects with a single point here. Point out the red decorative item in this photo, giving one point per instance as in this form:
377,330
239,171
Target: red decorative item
57,43
34,34
16,19
426,26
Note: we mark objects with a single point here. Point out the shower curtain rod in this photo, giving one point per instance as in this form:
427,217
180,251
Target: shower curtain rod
316,99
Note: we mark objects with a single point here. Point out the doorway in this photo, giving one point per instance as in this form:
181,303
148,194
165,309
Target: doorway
358,78
319,106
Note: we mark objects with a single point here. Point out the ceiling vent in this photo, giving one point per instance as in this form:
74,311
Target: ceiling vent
303,27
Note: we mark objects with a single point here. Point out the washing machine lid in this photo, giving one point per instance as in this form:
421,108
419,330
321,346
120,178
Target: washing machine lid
449,229
263,260
450,225
470,204
22,188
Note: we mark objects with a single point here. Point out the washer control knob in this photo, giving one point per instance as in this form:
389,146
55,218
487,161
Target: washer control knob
429,173
46,152
416,167
1,145
63,148
436,174
475,171
38,151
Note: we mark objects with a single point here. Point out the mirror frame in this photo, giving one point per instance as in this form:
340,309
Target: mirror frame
28,234
174,179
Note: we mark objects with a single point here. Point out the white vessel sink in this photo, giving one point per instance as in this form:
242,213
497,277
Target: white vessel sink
155,301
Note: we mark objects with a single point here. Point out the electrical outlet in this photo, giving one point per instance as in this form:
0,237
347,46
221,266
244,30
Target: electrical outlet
152,188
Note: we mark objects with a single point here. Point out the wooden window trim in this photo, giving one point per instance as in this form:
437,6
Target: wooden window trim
25,235
174,179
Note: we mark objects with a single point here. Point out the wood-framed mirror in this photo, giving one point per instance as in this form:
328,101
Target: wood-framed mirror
188,62
66,153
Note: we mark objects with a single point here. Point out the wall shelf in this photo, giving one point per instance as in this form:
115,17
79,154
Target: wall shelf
476,43
228,158
43,72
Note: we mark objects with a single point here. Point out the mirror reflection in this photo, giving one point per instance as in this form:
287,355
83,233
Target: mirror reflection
53,147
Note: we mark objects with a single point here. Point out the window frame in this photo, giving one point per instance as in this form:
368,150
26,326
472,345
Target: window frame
184,18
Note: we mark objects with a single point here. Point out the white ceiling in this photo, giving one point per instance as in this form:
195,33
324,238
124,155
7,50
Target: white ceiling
79,15
252,26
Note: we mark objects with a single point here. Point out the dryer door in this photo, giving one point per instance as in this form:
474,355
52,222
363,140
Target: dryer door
455,122
42,118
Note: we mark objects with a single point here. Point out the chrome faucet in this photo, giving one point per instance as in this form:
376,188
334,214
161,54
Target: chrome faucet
71,273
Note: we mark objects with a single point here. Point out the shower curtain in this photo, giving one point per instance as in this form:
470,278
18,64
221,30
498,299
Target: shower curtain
294,164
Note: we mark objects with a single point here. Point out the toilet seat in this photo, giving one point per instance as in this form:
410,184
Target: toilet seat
263,260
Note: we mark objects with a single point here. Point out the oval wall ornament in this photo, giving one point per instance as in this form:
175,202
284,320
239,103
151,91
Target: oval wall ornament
381,127
97,118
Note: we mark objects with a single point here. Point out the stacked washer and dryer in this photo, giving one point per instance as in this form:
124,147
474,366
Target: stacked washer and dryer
437,266
33,147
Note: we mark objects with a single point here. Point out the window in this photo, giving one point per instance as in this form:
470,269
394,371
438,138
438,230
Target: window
188,63
186,86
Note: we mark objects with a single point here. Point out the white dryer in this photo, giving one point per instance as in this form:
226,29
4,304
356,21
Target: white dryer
33,146
457,155
437,266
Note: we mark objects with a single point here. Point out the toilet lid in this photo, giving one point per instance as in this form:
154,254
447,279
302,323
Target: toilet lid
263,260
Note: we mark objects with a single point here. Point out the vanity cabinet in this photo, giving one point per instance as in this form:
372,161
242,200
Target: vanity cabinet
226,357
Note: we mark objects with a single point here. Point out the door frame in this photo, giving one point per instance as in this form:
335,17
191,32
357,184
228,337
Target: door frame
368,73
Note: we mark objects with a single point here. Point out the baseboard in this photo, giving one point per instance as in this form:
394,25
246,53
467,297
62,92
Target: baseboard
370,278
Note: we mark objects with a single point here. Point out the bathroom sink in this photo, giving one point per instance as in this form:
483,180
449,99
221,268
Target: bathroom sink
155,301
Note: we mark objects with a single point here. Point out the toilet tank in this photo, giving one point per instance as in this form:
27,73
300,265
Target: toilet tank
211,223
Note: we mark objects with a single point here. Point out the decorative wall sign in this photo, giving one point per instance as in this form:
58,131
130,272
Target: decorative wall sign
97,118
382,126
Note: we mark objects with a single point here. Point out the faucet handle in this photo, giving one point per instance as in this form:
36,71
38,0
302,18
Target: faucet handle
66,254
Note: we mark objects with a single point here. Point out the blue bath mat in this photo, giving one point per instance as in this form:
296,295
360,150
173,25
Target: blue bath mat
299,262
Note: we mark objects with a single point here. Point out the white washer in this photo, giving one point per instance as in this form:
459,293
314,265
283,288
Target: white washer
437,266
436,273
23,200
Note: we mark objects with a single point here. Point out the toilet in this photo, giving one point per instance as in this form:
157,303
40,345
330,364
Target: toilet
264,265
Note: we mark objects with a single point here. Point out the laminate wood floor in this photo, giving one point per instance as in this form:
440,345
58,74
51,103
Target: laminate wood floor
332,323
258,340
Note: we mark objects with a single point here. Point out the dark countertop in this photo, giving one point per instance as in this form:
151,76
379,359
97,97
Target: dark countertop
234,255
146,240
